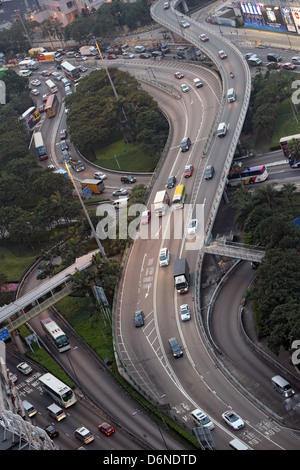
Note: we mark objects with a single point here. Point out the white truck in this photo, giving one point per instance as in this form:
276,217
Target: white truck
161,201
88,50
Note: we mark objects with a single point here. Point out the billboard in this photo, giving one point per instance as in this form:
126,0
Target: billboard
270,17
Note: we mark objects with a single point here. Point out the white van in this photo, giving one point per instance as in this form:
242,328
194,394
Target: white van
65,82
255,61
56,412
236,444
282,386
231,95
29,409
222,129
120,202
139,49
201,419
25,73
198,83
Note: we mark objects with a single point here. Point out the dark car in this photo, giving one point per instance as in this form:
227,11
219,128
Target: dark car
64,145
82,69
185,144
209,172
145,55
51,431
171,182
128,179
138,318
175,347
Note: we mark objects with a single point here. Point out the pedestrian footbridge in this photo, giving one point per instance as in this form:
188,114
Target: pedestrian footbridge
48,292
231,249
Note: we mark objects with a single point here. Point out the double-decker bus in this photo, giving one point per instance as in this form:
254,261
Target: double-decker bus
70,71
52,87
56,334
249,175
284,144
60,392
179,197
51,106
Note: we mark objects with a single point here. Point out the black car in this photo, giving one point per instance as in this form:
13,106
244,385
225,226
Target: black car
128,179
209,172
138,318
171,182
51,431
145,55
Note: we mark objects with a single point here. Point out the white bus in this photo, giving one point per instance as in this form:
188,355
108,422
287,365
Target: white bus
56,334
52,87
60,392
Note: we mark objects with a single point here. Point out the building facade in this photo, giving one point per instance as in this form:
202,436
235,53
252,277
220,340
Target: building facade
65,11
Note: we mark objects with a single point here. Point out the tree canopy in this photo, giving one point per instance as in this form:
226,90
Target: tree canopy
105,118
266,216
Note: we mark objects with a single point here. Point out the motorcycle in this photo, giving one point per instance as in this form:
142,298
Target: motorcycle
231,74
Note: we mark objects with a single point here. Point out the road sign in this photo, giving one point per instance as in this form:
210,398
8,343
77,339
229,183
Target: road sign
4,334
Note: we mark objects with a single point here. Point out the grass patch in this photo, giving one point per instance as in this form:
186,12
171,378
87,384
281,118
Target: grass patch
14,264
40,356
285,123
125,157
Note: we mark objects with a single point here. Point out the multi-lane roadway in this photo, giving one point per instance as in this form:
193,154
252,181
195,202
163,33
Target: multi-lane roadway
192,380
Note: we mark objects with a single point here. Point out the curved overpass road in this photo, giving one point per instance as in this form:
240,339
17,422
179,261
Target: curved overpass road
192,380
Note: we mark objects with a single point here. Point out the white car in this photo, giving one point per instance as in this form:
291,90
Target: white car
35,92
84,435
35,82
184,24
192,227
99,176
164,257
24,368
185,88
128,55
185,312
233,420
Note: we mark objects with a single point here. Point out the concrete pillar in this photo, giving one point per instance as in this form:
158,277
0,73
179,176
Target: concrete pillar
185,7
18,341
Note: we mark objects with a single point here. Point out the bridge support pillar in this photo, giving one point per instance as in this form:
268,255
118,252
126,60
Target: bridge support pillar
18,341
185,7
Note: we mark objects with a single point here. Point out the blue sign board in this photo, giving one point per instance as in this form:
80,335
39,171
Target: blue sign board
4,334
86,191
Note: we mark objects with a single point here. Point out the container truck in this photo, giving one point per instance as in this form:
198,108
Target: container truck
95,186
181,275
161,201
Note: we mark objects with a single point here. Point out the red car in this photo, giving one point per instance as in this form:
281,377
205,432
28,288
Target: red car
203,37
146,216
188,171
178,75
106,428
112,56
222,55
288,66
